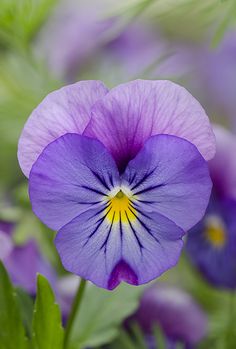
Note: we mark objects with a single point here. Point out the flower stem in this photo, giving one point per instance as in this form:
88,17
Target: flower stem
230,327
74,310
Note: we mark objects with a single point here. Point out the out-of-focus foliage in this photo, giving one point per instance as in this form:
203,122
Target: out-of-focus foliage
21,19
12,333
219,303
101,314
98,321
134,339
189,19
23,84
23,80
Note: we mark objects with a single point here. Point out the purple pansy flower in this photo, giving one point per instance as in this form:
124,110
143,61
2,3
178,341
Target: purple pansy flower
23,262
211,244
121,174
174,310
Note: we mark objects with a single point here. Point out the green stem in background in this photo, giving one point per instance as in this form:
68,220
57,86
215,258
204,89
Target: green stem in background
74,310
230,342
126,17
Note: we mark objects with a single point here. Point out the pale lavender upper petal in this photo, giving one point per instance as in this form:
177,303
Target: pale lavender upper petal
171,177
73,173
66,110
130,113
223,166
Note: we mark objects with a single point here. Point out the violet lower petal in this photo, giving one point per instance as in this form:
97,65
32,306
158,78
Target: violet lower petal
108,246
170,177
66,110
71,175
130,113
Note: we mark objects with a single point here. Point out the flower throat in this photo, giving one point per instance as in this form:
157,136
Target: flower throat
120,209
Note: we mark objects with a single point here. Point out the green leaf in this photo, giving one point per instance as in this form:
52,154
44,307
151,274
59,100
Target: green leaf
12,333
47,329
26,308
101,314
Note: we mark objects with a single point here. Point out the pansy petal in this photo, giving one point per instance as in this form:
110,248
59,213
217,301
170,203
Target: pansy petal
171,177
223,166
151,245
6,245
130,113
24,263
72,174
66,110
83,246
107,251
211,244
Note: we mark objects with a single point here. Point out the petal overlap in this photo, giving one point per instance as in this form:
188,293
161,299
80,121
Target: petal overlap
132,112
66,110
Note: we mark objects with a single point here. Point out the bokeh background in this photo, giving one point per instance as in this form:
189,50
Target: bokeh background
45,44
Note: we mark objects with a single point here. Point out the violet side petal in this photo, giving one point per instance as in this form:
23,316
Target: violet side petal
171,177
72,174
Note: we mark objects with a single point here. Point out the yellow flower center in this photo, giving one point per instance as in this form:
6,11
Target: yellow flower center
215,231
120,208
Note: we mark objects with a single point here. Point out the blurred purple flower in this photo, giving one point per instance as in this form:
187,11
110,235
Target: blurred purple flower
121,206
66,288
23,262
211,244
79,31
219,73
72,35
213,76
177,314
141,49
